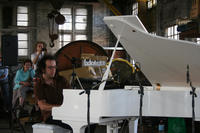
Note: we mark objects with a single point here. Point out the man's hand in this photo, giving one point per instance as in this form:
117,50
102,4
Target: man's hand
45,106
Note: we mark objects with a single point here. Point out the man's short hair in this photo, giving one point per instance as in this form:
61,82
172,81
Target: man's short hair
41,66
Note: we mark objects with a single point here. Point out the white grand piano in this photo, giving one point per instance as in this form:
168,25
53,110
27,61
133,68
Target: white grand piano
162,60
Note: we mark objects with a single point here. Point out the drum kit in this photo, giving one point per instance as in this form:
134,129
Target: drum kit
70,63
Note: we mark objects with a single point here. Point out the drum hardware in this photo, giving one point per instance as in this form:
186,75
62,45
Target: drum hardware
74,75
122,72
193,93
73,60
140,92
87,91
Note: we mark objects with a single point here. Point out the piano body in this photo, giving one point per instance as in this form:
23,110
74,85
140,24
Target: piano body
162,60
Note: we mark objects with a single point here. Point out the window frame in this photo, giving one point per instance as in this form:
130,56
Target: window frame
151,3
74,32
23,30
135,9
17,13
198,41
171,32
24,41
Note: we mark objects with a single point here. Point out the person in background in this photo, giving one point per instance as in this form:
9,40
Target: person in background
40,51
4,85
48,89
23,82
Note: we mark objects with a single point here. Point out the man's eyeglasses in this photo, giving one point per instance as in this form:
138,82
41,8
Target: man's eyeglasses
51,67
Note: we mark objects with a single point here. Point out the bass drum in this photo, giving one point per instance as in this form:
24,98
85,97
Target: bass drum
71,53
122,71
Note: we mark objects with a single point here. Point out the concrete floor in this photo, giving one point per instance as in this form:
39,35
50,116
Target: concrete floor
147,128
5,127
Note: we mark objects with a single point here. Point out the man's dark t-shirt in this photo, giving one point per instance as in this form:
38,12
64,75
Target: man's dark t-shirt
52,94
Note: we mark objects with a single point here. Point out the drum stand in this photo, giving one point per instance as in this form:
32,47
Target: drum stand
87,91
74,76
193,93
141,92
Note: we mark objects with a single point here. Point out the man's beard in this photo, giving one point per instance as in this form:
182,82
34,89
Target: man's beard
51,76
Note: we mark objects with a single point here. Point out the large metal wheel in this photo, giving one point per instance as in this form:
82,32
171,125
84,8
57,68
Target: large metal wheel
72,53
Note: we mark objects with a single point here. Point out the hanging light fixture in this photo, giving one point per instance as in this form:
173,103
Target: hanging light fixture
54,20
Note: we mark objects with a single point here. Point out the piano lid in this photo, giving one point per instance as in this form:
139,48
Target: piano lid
162,60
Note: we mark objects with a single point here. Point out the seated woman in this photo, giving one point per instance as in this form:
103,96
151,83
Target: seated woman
23,82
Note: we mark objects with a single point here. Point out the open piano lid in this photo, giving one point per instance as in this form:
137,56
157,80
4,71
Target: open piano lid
162,60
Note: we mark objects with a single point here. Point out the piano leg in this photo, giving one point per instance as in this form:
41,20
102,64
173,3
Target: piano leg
133,125
112,127
78,127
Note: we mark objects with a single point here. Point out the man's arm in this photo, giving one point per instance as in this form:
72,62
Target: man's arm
45,106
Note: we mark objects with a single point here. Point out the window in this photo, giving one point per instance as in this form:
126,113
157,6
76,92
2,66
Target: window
135,9
151,3
22,44
153,33
198,40
22,16
172,32
22,21
75,26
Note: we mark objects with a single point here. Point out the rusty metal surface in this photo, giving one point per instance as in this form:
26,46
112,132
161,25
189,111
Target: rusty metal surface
72,52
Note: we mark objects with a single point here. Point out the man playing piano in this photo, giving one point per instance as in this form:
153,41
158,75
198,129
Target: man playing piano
48,89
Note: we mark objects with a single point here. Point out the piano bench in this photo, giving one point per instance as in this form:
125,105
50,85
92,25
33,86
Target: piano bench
48,128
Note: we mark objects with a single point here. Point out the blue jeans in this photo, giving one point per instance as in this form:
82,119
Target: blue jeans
5,93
